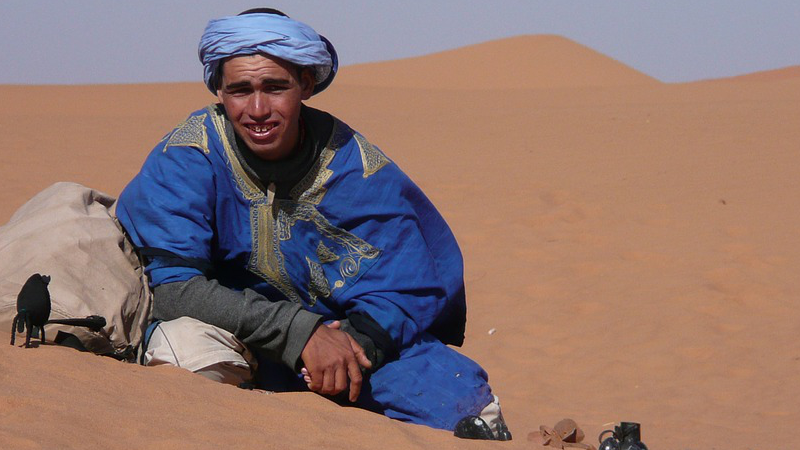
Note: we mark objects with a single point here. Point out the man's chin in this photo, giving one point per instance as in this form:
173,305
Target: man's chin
268,152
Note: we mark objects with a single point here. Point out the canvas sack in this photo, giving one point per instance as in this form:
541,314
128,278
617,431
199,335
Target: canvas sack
69,232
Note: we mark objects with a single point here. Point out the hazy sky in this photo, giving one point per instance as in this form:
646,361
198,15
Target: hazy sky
105,41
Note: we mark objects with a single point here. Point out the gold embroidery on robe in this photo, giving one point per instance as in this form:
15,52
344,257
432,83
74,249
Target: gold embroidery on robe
318,285
311,188
371,157
190,133
324,254
353,248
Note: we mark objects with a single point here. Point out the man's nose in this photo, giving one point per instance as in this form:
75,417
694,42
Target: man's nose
259,107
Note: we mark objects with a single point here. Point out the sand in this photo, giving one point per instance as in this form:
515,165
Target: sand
635,246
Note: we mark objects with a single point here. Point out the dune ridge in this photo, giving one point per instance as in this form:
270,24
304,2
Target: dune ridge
784,73
522,62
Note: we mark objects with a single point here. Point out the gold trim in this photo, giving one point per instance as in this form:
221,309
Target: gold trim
372,158
318,285
324,254
190,133
252,189
311,188
266,259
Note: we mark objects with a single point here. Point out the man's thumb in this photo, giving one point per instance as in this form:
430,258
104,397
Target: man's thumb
361,356
363,360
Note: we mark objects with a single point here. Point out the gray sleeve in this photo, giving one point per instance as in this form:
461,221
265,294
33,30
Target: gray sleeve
279,330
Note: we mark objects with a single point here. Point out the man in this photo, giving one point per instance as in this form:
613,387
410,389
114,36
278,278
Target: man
286,250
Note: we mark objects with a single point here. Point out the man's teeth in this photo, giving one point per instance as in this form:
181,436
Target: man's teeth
261,128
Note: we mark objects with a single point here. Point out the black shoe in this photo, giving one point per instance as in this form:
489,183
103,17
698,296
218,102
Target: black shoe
473,427
502,432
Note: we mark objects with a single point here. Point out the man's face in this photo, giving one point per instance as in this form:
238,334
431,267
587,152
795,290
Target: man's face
262,96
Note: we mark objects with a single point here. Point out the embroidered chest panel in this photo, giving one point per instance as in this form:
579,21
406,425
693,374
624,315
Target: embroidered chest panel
273,221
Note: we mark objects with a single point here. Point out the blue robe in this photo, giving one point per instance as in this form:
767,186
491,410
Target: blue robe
355,235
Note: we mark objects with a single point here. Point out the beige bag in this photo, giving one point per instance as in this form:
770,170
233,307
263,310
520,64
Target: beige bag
69,232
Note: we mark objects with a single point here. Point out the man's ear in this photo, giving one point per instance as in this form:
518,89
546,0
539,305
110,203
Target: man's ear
218,78
307,83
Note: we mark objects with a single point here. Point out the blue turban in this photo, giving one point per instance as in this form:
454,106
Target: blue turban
270,34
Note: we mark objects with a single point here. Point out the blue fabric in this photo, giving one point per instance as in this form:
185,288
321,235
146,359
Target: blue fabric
363,228
271,34
429,384
149,333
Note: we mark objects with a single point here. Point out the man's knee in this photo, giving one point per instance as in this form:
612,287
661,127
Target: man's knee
200,348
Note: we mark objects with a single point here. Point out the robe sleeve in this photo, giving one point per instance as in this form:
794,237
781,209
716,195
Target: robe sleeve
168,211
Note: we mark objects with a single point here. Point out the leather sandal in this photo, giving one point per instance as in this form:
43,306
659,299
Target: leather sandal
566,434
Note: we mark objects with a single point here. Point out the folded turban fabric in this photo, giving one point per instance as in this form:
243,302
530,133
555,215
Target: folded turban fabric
270,34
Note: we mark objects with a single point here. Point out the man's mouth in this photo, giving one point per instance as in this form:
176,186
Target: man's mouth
260,129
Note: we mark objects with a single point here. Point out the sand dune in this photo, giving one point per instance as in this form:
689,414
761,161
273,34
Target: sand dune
524,62
635,246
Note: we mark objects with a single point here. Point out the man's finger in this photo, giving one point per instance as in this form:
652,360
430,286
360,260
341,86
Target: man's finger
329,383
316,381
306,376
355,380
335,325
341,380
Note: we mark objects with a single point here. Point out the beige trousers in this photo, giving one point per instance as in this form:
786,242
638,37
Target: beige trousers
201,348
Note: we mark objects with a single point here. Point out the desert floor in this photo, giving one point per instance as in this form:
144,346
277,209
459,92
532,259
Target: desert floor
635,246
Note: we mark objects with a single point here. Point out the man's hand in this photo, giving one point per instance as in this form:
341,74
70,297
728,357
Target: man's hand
331,358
